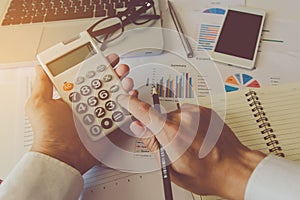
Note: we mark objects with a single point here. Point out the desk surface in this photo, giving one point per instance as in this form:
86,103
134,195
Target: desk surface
278,8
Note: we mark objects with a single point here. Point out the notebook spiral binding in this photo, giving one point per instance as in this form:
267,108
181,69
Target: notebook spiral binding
264,124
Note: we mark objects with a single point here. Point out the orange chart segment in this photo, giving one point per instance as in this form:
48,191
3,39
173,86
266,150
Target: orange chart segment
232,80
237,81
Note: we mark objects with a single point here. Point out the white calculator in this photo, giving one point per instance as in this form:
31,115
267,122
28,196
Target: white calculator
86,81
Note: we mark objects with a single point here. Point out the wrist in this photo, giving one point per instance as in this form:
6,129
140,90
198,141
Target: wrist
77,160
238,170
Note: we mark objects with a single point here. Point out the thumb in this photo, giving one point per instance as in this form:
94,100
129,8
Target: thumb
42,87
156,124
138,129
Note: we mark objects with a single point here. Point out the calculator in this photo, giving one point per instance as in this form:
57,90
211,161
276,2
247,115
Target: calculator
86,81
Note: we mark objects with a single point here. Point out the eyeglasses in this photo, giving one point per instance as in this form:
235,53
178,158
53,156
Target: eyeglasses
138,12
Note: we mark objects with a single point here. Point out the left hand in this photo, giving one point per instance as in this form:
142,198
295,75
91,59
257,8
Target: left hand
224,171
53,125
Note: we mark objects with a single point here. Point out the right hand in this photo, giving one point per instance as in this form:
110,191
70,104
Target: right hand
224,171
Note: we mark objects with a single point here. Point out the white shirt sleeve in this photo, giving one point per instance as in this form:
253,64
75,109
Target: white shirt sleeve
38,176
274,178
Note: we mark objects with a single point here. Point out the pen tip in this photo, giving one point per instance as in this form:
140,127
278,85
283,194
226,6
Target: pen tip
154,90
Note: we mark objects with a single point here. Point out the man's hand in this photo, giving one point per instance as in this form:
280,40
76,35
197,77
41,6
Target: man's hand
224,171
53,125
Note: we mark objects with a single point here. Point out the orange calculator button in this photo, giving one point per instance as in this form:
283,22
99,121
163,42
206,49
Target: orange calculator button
68,86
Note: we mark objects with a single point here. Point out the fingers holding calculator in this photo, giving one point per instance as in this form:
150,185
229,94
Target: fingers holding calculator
53,124
87,82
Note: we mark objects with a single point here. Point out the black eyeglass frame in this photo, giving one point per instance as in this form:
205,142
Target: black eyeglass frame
130,15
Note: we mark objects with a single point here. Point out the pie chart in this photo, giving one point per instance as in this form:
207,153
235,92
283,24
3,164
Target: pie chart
239,81
218,11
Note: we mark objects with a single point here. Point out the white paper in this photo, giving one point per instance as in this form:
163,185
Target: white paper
284,10
16,134
281,36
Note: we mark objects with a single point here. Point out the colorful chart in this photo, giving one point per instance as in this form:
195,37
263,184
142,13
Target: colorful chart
218,11
207,36
179,86
238,81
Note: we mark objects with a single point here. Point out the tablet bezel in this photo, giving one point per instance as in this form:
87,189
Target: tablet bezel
235,60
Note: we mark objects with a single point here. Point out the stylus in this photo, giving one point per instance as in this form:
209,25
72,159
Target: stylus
185,42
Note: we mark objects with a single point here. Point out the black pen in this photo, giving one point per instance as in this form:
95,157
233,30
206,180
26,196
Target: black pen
184,40
163,155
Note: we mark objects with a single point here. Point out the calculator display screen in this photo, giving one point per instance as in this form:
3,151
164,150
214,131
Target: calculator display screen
71,59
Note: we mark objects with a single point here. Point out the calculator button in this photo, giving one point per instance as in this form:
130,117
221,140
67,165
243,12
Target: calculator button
92,101
101,68
114,88
100,112
96,84
95,130
74,97
79,80
88,119
110,105
103,94
117,116
107,78
106,123
81,108
68,86
90,74
85,90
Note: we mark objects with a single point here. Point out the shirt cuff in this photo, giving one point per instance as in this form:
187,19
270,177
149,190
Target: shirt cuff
274,178
38,176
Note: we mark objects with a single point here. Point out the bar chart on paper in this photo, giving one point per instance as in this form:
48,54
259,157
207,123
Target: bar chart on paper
209,30
180,86
207,36
178,83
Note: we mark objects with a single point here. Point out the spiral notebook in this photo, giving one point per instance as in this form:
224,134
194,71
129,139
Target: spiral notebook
267,119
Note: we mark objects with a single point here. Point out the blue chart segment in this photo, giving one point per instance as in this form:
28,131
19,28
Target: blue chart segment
180,86
218,11
207,36
237,81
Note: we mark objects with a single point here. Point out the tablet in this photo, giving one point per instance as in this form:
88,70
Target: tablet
239,37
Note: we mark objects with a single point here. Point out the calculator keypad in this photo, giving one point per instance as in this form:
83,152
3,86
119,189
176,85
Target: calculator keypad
118,116
94,101
85,90
74,97
81,108
96,84
79,80
106,123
